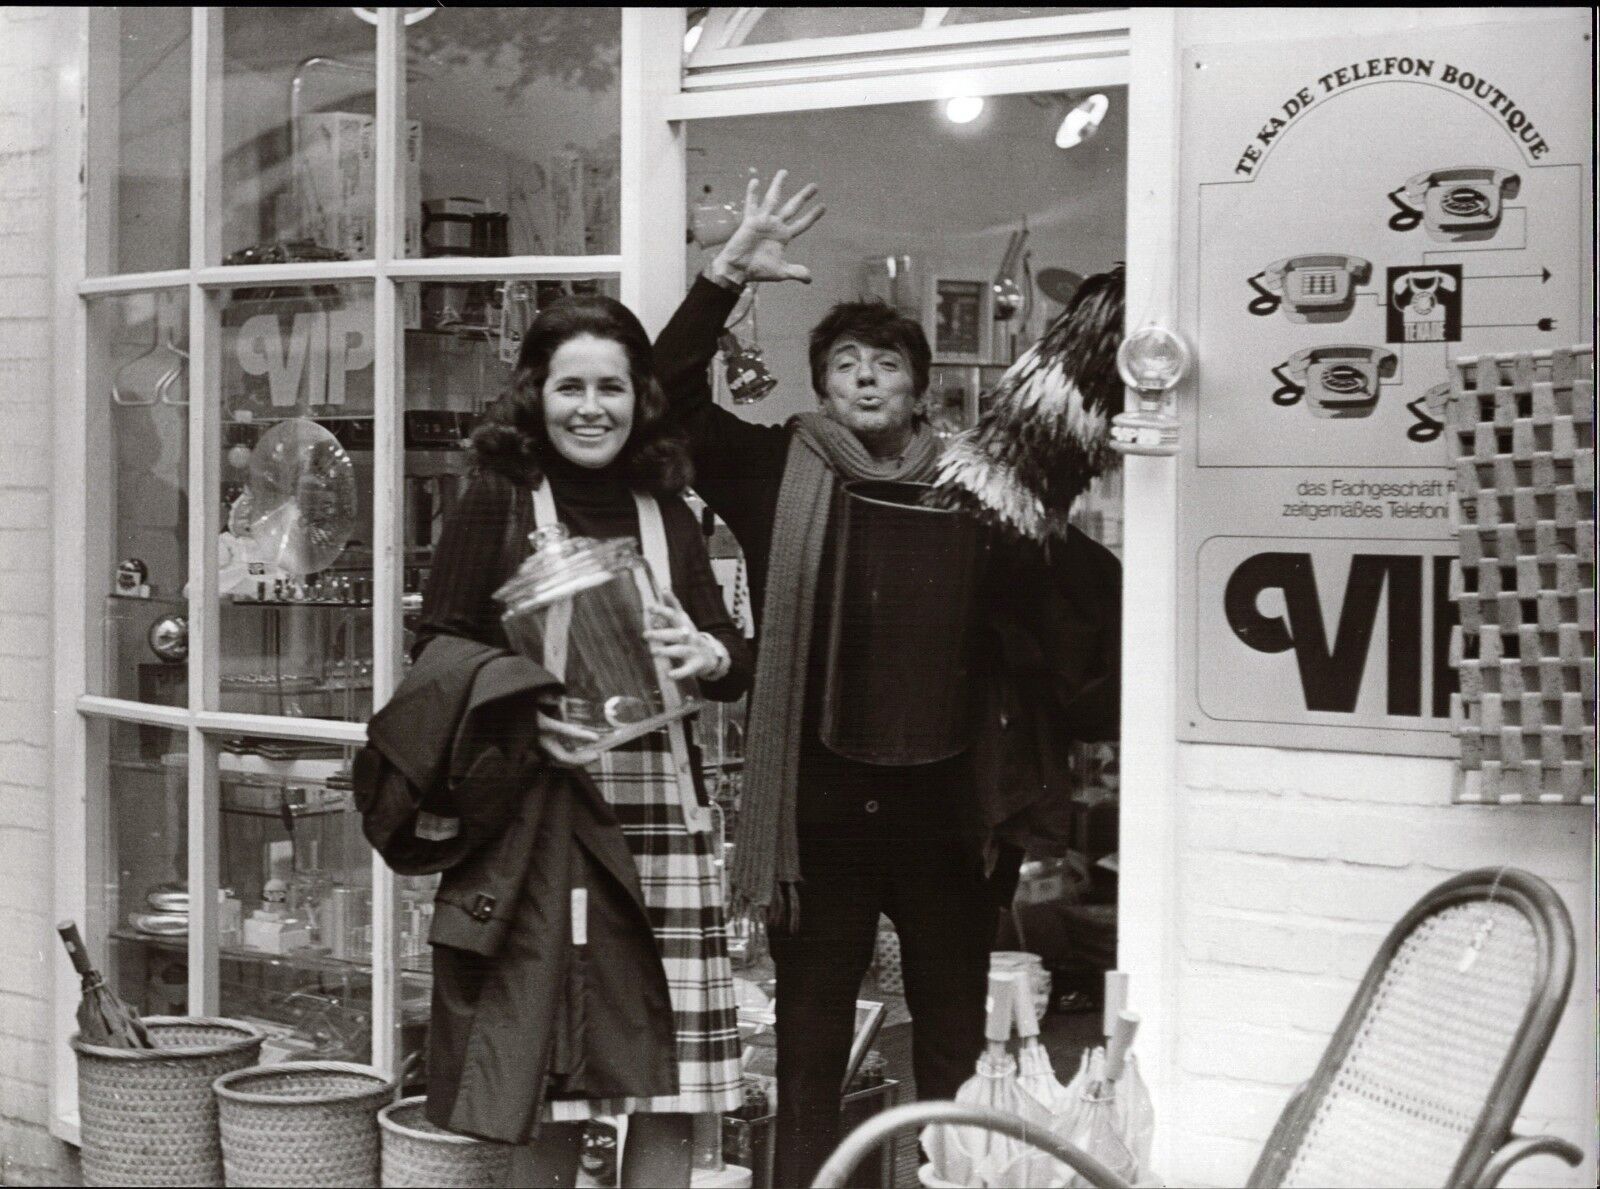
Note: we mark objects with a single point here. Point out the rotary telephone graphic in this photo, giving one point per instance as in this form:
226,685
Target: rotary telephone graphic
1338,380
1454,205
1421,292
1314,288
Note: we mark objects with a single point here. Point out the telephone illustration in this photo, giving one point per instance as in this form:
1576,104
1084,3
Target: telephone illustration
1314,288
1421,291
1455,205
1339,380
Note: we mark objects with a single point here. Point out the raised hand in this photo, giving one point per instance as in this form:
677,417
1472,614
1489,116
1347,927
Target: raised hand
755,252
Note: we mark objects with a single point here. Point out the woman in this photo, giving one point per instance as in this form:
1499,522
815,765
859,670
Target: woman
584,419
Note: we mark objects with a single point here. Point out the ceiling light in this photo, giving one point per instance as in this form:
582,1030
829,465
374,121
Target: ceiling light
1082,122
963,109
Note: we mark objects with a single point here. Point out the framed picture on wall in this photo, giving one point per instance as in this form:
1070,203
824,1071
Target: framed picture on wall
957,317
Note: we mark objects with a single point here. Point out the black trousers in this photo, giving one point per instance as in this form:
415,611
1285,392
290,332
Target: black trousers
928,879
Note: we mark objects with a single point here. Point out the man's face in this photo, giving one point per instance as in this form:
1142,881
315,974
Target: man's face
871,392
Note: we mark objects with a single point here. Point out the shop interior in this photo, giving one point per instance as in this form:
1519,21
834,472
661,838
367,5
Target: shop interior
977,216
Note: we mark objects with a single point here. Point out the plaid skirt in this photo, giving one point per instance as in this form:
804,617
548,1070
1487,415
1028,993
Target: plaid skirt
682,890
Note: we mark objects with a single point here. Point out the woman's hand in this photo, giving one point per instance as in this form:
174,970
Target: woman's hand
563,742
692,652
755,250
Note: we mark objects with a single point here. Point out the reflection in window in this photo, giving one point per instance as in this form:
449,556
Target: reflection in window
514,131
297,151
295,555
141,903
139,81
138,381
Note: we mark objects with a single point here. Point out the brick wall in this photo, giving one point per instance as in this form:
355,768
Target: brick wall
28,1154
1293,867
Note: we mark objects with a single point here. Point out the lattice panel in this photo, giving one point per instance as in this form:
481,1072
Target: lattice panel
1521,434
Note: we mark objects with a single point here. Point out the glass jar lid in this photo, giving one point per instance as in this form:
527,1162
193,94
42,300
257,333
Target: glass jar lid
562,565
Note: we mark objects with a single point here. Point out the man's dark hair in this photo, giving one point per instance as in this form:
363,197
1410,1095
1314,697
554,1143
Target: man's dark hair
877,324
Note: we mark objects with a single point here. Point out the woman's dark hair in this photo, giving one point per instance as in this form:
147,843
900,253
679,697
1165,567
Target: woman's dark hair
512,440
877,324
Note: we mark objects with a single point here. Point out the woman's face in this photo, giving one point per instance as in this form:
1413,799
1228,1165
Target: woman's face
588,400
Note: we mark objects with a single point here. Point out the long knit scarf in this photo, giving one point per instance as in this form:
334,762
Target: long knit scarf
766,859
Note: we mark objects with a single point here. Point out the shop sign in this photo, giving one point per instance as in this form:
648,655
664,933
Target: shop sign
1356,214
298,352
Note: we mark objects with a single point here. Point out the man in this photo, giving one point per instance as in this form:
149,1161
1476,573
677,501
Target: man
824,844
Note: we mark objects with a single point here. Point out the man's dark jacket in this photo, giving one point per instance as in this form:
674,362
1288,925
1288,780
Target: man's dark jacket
451,781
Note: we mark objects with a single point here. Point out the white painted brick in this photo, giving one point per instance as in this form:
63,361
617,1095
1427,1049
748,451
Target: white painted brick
25,859
1232,1109
24,1015
1235,881
24,549
23,468
1211,1160
1296,831
26,338
1346,892
27,508
25,593
28,1147
25,1057
1265,999
1240,941
1250,1054
27,806
25,297
26,721
32,432
23,678
24,635
21,1098
1533,837
24,763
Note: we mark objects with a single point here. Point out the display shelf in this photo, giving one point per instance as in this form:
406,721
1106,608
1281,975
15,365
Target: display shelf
312,960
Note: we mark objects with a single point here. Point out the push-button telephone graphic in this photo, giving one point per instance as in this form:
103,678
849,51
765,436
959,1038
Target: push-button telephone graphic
1455,205
1338,380
1313,288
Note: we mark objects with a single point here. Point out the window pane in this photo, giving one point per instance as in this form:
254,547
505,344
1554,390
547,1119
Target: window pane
295,556
139,392
141,903
139,133
295,917
458,359
515,121
297,143
728,28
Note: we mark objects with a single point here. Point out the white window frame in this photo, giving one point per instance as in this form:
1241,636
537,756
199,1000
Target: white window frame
82,233
658,96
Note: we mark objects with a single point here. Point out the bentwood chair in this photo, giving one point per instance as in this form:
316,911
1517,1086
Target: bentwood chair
1421,1083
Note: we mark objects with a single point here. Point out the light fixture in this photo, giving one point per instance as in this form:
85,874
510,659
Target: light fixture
412,17
1083,121
963,109
1151,360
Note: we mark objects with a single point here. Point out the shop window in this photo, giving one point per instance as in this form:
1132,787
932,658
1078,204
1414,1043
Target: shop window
296,159
295,555
138,165
513,144
139,896
462,340
138,404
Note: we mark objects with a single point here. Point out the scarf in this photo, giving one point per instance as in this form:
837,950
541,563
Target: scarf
766,861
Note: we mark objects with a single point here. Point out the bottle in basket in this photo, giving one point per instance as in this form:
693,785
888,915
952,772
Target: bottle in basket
578,608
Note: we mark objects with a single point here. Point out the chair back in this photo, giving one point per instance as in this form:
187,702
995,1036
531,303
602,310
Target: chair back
1428,1069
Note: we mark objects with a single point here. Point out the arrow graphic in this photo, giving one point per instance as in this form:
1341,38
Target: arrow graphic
1543,274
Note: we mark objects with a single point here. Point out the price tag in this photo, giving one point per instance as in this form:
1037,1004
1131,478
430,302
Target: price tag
580,916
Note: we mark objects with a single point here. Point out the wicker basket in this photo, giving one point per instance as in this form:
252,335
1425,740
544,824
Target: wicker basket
148,1116
301,1123
418,1154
